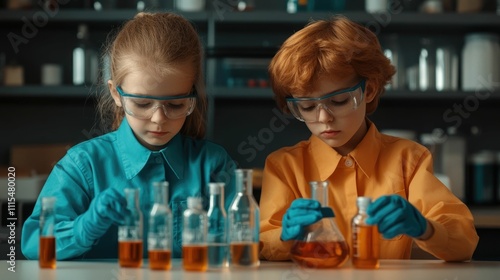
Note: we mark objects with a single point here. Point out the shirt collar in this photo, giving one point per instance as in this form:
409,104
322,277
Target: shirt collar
134,155
367,151
365,154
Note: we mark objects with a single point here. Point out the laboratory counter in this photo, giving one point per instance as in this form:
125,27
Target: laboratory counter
389,269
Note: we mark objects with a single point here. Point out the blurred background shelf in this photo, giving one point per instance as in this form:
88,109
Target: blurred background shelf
45,91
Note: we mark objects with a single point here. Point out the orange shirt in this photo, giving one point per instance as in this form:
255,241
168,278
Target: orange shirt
379,165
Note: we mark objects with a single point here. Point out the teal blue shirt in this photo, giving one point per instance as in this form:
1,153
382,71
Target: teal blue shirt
117,159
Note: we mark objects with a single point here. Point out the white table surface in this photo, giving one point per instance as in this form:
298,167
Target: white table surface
389,269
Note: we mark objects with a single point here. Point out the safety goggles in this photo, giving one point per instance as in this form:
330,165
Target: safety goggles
144,106
338,103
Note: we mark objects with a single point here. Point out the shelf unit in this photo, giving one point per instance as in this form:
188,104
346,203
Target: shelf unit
254,34
253,21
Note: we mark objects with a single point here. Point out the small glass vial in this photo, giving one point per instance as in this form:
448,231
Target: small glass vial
194,236
243,222
323,245
217,228
85,59
47,250
160,229
130,245
365,238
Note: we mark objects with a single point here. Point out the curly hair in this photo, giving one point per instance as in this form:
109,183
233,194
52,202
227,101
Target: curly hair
337,47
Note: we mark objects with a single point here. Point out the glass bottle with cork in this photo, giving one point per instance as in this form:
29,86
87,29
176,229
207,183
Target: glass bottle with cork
160,229
365,238
323,245
130,244
217,228
47,249
194,236
243,219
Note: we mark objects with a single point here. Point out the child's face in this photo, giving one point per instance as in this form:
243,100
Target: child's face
344,132
155,132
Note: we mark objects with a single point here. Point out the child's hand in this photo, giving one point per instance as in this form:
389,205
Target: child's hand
109,207
394,215
302,212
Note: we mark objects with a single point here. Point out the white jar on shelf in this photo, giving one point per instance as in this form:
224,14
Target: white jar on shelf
481,62
190,5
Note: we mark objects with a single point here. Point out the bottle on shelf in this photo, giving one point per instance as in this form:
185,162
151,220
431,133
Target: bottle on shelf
480,67
323,245
482,177
245,5
217,228
454,151
194,236
243,220
365,238
160,229
47,250
85,59
130,246
426,65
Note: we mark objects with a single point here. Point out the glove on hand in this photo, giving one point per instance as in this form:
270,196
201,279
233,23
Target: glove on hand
394,215
108,207
302,212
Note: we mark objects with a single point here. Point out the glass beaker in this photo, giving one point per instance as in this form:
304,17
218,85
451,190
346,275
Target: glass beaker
323,245
160,229
47,249
243,223
217,228
130,233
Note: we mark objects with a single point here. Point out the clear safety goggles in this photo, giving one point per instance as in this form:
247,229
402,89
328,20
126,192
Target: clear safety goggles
144,106
338,103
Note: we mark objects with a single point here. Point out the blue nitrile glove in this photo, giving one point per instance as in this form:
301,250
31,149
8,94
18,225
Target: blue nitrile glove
394,215
302,212
107,208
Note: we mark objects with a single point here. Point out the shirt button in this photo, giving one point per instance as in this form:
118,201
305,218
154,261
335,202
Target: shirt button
348,162
158,159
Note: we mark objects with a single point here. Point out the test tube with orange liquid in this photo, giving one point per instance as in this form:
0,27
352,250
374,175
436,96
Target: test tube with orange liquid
130,247
365,238
160,229
47,249
194,236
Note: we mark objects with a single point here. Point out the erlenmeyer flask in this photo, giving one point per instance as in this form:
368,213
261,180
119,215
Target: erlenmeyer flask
323,245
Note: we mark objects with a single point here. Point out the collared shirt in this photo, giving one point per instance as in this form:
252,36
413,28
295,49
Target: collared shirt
379,165
118,160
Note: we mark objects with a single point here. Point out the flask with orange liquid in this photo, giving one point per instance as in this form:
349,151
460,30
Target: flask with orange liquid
365,238
243,221
194,236
47,249
130,245
160,229
323,245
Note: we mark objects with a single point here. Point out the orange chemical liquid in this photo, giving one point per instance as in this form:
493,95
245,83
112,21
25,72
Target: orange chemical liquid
159,259
47,257
245,254
130,253
195,258
366,250
327,254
